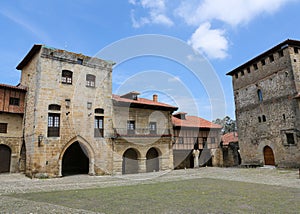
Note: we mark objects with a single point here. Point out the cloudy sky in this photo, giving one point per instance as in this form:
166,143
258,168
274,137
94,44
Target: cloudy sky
226,33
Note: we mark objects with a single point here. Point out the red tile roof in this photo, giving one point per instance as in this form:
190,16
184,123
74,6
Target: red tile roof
142,101
230,137
194,122
19,87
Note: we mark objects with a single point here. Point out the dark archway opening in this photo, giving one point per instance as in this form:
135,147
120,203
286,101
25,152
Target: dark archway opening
5,156
152,160
130,162
75,160
269,156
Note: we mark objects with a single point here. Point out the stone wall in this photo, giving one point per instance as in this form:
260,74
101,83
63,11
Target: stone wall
265,122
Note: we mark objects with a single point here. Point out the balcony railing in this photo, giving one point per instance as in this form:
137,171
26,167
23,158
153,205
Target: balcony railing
142,132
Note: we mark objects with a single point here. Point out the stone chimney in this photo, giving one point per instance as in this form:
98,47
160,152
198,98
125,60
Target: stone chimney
154,97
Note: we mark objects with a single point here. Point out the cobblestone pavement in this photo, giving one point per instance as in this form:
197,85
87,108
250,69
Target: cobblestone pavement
18,183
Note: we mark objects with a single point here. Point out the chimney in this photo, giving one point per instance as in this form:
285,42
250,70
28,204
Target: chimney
154,97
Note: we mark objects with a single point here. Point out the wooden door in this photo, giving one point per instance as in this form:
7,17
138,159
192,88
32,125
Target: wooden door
269,156
5,154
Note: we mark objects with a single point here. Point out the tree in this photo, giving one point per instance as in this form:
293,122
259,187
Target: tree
228,124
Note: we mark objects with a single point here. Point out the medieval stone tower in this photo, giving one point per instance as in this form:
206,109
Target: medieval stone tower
68,112
267,100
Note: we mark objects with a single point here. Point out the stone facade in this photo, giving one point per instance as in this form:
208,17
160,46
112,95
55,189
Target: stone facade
11,122
142,127
68,101
266,92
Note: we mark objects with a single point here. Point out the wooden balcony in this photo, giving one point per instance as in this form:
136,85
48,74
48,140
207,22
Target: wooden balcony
142,132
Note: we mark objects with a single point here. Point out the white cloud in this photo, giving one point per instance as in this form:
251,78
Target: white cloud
210,41
156,13
233,12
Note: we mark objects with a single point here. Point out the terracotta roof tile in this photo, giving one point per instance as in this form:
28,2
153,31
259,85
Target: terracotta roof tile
18,87
230,137
142,101
193,121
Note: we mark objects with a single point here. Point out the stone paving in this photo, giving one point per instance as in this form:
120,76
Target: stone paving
18,183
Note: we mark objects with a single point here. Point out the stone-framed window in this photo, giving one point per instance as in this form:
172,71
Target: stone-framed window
152,128
296,50
255,66
130,127
90,80
280,53
79,61
271,58
14,101
54,107
53,124
290,138
99,111
99,126
259,119
248,70
66,77
3,128
259,95
263,61
264,119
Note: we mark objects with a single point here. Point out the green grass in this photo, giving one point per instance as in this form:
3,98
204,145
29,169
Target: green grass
189,196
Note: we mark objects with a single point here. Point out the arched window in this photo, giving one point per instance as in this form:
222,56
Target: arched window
66,77
54,107
99,111
90,80
260,96
259,119
264,119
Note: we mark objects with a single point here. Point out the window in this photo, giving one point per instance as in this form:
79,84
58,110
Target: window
236,75
248,70
98,131
260,96
90,80
263,61
290,138
3,127
14,101
271,58
66,77
264,119
242,73
53,125
89,105
54,107
296,50
130,127
259,119
152,127
79,61
255,66
280,53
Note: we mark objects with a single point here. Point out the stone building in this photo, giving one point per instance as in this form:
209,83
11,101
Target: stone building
63,119
143,134
267,100
68,113
196,142
230,148
11,133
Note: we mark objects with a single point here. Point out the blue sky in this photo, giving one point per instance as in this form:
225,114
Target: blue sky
226,32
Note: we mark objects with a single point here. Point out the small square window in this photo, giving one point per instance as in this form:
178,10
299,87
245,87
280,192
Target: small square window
280,53
14,101
79,61
296,50
89,105
3,127
290,138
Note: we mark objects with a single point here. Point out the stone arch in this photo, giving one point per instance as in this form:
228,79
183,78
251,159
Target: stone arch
5,158
153,160
269,158
130,161
85,147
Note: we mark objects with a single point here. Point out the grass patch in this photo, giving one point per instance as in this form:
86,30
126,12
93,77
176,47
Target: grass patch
189,196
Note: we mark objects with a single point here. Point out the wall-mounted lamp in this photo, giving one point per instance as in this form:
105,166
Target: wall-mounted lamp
68,103
40,139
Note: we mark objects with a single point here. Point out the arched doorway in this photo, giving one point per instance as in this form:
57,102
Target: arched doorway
75,160
269,156
130,162
5,156
152,160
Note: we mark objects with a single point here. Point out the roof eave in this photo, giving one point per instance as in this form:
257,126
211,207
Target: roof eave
36,48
